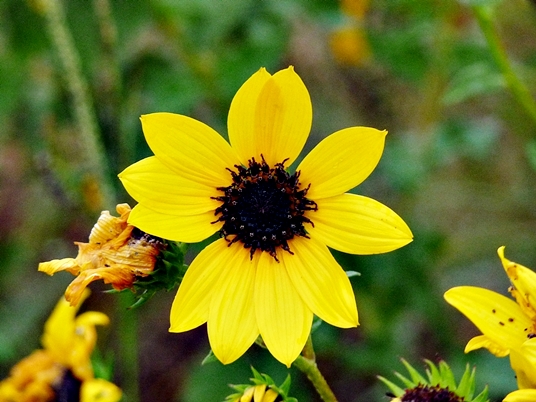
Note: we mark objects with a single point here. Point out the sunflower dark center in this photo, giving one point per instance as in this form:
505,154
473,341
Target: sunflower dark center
264,207
426,393
68,389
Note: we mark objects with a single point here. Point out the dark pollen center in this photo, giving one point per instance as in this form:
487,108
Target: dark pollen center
263,207
426,393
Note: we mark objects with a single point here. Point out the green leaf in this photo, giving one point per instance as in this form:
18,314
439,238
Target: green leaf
210,358
472,81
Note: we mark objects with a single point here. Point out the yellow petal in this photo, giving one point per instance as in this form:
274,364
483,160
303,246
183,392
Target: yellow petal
99,390
321,282
524,281
241,120
120,276
91,318
108,228
51,267
185,228
59,328
191,304
270,396
83,342
151,183
248,394
523,362
232,326
188,147
259,392
528,351
272,116
341,161
482,341
284,319
522,395
358,225
498,317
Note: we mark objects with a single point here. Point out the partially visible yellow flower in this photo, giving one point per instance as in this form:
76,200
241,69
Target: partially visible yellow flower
438,384
348,41
271,268
263,389
117,253
508,327
256,393
63,366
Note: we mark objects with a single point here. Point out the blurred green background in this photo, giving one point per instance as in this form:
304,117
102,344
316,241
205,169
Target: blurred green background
459,164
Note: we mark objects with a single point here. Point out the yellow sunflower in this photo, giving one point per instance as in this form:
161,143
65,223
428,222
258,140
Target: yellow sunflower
271,270
62,370
508,327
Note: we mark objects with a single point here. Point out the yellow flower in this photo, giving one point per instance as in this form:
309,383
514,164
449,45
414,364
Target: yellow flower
508,327
263,389
116,253
256,393
271,270
348,41
62,370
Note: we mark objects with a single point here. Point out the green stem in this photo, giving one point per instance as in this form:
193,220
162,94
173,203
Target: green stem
515,85
96,164
306,364
128,344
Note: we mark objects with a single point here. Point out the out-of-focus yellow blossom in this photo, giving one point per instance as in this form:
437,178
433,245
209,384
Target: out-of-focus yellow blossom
62,369
348,41
508,327
349,45
355,8
117,253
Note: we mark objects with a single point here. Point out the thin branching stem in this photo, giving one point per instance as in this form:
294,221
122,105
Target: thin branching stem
522,95
95,161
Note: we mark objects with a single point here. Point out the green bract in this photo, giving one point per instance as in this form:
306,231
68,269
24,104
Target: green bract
439,380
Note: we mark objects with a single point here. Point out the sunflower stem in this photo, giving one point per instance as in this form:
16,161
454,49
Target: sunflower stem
306,363
518,89
128,341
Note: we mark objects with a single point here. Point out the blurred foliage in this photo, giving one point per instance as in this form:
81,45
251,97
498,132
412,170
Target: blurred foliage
459,165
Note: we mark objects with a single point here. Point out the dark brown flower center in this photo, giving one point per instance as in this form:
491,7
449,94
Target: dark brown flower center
263,207
426,393
68,388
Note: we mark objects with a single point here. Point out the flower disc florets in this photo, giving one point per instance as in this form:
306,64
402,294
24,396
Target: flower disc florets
427,393
263,207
